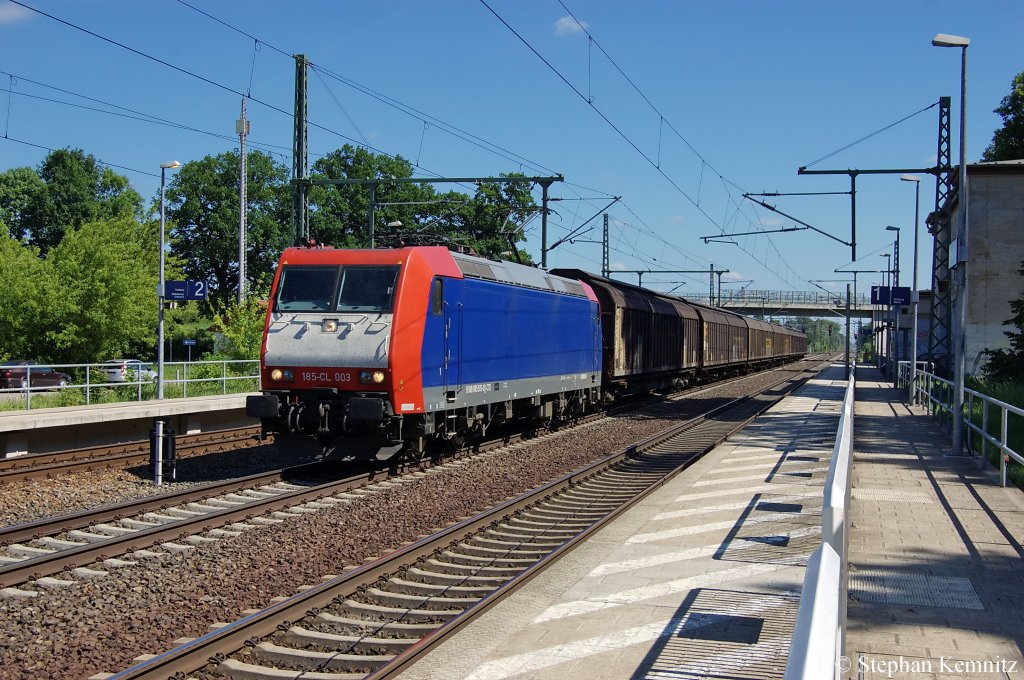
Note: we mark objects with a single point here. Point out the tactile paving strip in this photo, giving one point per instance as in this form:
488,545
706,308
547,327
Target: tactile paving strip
900,587
891,495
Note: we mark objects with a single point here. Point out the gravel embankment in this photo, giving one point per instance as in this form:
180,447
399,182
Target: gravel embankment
102,624
25,501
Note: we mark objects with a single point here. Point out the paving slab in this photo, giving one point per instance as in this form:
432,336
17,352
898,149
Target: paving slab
936,570
700,579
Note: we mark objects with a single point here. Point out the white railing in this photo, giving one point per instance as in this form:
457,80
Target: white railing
819,637
89,383
936,395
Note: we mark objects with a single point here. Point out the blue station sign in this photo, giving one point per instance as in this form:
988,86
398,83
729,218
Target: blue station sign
185,290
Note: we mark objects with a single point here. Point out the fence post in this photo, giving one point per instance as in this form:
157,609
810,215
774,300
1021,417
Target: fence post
969,422
984,428
1005,442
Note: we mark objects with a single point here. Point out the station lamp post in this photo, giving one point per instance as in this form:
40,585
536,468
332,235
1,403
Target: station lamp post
164,167
887,283
894,310
960,340
914,296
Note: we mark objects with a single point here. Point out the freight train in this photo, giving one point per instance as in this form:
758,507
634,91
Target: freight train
377,352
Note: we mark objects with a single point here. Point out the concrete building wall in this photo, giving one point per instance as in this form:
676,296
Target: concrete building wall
995,252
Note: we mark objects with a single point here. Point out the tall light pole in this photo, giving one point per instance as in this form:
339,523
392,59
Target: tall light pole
887,283
895,309
915,297
960,341
164,167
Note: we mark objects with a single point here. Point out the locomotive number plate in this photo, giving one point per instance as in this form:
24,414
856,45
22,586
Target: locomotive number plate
326,376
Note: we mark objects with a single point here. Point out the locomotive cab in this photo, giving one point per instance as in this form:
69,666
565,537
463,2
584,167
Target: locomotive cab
325,361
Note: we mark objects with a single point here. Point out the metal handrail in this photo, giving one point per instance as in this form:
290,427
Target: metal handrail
936,395
819,636
756,297
84,380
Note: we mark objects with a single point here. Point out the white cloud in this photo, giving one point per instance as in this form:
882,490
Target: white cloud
677,219
771,222
11,13
568,26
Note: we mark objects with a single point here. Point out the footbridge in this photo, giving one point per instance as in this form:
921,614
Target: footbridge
789,303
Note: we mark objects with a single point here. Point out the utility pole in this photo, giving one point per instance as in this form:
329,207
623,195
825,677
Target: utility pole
605,263
848,330
300,154
544,185
242,128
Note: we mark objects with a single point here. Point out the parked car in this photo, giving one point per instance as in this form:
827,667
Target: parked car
22,374
127,370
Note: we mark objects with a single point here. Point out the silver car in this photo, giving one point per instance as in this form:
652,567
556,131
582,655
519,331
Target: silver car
127,370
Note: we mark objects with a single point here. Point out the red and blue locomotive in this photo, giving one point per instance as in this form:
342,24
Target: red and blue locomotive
378,351
386,349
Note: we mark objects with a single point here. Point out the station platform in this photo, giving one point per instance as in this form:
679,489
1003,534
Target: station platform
55,429
936,569
700,579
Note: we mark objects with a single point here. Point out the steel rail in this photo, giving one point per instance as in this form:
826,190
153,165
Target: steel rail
95,458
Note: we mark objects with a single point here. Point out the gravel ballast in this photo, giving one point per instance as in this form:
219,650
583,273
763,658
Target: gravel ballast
102,624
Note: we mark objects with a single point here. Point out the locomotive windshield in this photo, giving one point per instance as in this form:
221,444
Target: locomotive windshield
352,288
306,288
367,288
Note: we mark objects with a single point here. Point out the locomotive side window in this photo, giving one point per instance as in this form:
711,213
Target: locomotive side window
437,298
305,288
367,288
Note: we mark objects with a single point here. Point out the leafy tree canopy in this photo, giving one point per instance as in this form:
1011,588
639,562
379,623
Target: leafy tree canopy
1008,141
105,302
339,214
20,188
241,329
27,291
203,208
72,189
483,222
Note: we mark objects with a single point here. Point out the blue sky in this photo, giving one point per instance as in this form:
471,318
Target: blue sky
712,98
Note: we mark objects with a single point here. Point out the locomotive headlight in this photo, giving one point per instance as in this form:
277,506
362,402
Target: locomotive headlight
329,326
278,374
371,377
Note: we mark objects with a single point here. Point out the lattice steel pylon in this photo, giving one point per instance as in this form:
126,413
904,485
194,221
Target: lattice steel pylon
300,154
939,335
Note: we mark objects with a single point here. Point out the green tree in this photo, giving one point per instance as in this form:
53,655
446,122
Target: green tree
492,221
27,295
241,329
339,214
105,305
20,188
77,190
203,209
1008,141
1008,364
484,222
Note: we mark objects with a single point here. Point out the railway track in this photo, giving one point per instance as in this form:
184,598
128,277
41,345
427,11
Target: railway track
39,549
43,465
381,617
